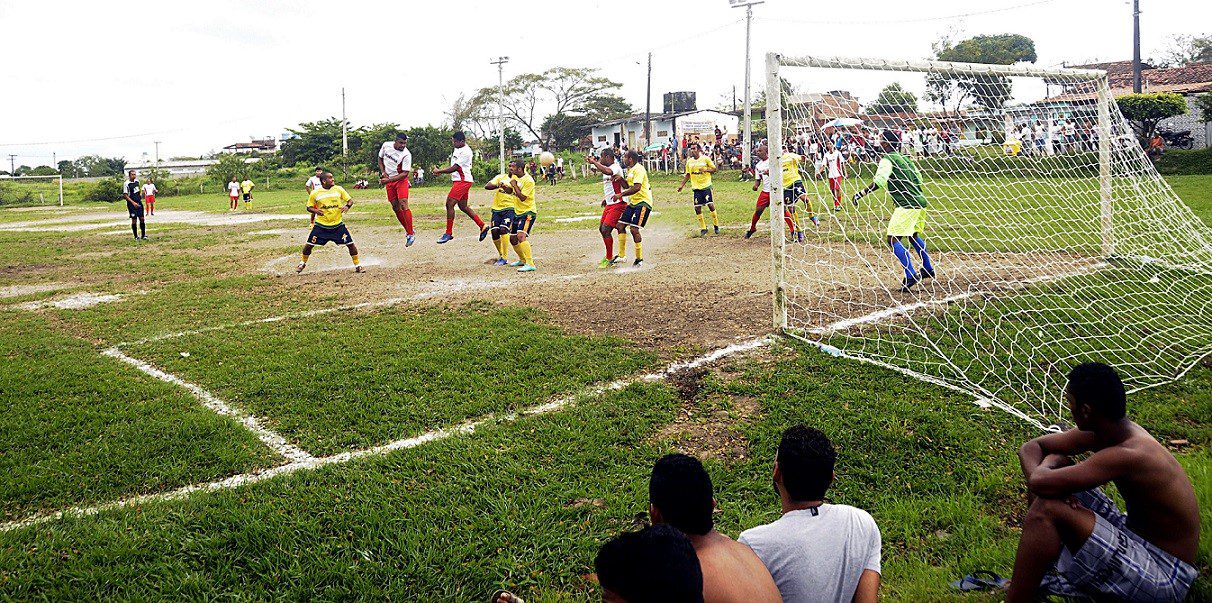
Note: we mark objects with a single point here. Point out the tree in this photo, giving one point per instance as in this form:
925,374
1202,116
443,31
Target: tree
96,165
315,143
43,170
429,145
370,140
1203,103
229,165
952,91
67,169
571,92
519,100
1146,110
894,99
476,114
563,130
1187,49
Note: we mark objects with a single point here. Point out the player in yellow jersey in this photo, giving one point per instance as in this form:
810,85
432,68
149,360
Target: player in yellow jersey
639,206
699,169
794,192
246,189
328,203
524,217
504,202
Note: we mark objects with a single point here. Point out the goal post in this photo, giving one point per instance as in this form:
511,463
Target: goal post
24,189
1019,229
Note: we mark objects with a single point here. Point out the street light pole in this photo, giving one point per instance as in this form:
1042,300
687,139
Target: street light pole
500,63
1136,46
648,107
747,149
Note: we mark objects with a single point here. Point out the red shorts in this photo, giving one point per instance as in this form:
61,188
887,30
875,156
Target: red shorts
763,200
459,190
397,190
233,197
835,184
612,213
151,199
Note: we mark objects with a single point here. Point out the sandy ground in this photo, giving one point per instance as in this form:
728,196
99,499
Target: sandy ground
78,222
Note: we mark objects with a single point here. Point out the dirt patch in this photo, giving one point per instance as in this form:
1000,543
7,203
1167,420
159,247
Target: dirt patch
23,290
708,425
78,301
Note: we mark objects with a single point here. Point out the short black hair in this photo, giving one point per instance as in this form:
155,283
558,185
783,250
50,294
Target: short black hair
609,152
401,136
635,156
459,135
518,162
681,489
1099,386
806,459
890,137
319,169
656,564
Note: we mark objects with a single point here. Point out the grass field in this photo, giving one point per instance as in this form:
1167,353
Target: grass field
429,341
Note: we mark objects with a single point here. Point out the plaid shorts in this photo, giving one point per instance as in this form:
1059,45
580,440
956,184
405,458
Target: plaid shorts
1116,563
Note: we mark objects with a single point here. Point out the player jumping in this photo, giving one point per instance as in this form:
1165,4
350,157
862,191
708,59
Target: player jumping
761,177
897,174
460,187
699,169
395,165
504,202
635,216
328,203
612,209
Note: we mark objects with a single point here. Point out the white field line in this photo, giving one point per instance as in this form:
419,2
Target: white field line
468,427
271,439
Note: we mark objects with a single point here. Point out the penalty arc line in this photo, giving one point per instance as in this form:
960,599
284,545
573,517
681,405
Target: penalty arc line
312,462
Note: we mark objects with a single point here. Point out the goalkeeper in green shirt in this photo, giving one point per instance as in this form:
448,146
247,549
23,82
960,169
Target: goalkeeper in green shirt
897,174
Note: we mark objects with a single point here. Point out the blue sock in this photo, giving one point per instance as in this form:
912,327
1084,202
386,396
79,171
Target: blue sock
920,246
902,254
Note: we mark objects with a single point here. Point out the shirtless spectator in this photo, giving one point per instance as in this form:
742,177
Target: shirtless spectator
680,494
1075,541
655,565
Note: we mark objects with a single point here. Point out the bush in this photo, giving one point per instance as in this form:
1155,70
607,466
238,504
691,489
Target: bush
108,190
1179,162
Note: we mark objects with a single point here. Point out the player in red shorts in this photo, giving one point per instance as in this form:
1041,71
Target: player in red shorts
835,169
612,183
761,177
149,197
460,187
395,165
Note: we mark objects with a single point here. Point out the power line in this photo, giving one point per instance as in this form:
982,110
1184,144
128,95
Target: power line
127,136
914,20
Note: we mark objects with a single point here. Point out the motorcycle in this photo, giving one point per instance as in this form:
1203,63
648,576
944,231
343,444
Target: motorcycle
1177,140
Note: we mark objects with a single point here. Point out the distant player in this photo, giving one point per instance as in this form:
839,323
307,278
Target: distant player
246,188
897,174
612,208
504,202
460,187
699,169
835,170
233,193
149,197
312,184
639,206
328,203
794,191
134,205
395,166
761,177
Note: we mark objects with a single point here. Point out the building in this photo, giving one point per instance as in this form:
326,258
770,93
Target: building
629,131
187,167
259,145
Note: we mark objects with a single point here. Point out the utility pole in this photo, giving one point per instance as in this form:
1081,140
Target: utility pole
157,153
11,163
1136,46
747,149
500,63
734,98
344,138
648,106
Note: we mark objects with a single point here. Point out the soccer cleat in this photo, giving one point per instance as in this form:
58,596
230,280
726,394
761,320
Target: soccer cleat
605,263
837,208
484,232
500,262
703,233
638,263
527,268
749,233
300,267
516,263
445,238
925,274
815,222
907,285
717,230
359,269
409,240
619,259
144,237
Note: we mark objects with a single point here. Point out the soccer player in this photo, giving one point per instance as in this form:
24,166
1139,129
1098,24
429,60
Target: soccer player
794,191
761,177
835,170
395,165
328,203
134,205
612,208
460,187
639,206
246,189
504,201
900,177
149,197
699,169
524,189
312,184
233,193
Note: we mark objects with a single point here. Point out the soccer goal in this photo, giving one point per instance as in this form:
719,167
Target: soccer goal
1052,239
31,190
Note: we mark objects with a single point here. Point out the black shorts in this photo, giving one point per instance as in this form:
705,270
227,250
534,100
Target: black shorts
635,215
524,222
503,219
247,197
703,196
323,235
791,194
135,211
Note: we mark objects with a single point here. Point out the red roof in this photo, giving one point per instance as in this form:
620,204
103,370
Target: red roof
1189,79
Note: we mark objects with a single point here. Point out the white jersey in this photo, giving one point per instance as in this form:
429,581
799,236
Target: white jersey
233,189
610,186
395,162
762,172
313,183
149,190
833,164
460,159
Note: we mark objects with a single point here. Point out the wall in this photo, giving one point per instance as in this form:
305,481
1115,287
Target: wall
1190,121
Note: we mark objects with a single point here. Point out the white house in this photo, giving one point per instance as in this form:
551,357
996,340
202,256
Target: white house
629,131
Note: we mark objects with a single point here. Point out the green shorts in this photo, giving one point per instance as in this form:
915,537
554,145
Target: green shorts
906,221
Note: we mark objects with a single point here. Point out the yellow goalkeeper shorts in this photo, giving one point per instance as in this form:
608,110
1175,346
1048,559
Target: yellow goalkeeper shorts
906,221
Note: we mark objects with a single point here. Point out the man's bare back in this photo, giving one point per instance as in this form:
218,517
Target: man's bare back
732,572
1160,499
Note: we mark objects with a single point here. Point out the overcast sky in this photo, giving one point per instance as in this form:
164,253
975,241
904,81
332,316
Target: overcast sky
112,77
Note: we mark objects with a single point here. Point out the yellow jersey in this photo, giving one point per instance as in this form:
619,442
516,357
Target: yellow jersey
699,179
246,186
526,204
638,175
790,162
503,197
330,201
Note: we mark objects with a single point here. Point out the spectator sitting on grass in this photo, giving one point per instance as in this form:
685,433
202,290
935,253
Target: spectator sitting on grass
1075,540
816,551
655,565
680,494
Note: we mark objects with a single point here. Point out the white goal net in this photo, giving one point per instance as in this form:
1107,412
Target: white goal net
1046,237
